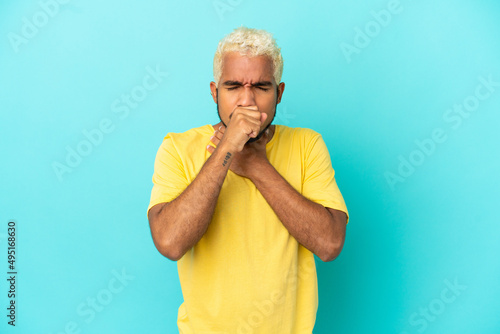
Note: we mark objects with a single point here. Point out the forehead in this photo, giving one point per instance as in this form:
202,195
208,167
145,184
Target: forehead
246,69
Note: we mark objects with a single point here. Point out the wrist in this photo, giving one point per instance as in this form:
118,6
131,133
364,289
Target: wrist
226,147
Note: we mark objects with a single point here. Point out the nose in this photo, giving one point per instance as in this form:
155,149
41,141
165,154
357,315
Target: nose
247,96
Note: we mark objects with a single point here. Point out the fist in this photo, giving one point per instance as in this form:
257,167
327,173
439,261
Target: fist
244,123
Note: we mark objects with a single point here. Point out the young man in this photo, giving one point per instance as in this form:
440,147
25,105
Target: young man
243,205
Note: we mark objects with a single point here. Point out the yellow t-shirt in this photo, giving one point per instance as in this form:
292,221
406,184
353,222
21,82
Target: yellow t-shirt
248,274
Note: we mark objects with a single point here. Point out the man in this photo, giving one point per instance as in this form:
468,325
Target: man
243,205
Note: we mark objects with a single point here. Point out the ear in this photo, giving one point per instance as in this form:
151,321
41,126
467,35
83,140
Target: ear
213,90
281,89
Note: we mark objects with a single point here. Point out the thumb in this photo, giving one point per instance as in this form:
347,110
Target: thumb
263,117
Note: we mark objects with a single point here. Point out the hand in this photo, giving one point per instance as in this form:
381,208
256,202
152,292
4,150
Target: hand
244,123
247,162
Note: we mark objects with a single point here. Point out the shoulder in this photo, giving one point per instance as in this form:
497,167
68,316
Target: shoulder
191,134
305,141
189,137
304,135
187,143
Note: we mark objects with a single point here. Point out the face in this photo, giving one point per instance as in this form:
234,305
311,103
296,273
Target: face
247,81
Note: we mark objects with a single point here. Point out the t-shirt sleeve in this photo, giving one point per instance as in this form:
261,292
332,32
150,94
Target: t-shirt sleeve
319,181
169,178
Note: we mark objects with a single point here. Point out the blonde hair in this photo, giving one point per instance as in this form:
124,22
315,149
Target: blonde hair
249,42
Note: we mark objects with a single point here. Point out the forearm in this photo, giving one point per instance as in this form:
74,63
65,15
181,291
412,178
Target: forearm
310,223
181,223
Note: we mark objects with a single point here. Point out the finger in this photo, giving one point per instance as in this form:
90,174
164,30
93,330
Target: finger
244,108
210,149
251,108
221,129
252,112
217,134
252,121
253,131
215,140
251,126
254,134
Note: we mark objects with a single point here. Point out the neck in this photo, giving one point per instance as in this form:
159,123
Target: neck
272,129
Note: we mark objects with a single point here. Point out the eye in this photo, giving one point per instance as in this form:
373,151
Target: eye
236,87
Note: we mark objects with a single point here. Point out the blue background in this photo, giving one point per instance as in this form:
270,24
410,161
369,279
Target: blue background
406,241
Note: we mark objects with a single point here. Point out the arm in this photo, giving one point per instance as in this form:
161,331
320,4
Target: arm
319,229
178,225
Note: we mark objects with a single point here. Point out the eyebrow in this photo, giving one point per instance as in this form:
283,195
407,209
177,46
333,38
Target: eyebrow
257,84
